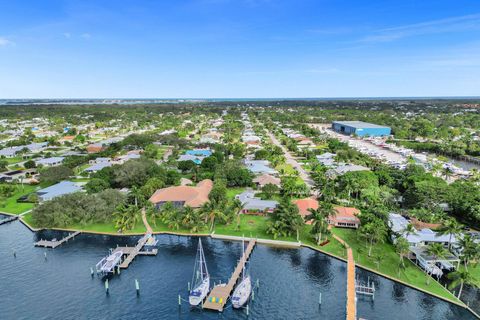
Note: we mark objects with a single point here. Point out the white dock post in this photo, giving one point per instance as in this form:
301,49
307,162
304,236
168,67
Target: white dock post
189,286
320,298
137,287
253,295
91,271
118,270
106,286
247,310
179,301
45,255
258,283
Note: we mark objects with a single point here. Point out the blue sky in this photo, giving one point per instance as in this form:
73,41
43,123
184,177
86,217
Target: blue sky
238,48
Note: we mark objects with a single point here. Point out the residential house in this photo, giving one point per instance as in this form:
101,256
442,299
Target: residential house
259,167
342,169
59,189
50,162
304,205
345,217
265,179
254,205
182,196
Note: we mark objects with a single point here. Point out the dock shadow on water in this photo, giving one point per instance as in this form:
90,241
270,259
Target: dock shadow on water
291,280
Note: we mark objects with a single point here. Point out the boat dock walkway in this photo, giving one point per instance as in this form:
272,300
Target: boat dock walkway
132,252
219,295
9,219
55,243
351,292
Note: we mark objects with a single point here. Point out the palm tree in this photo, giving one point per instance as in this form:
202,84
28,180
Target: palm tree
460,277
402,248
126,217
137,194
409,229
452,228
210,211
319,219
374,231
437,251
469,249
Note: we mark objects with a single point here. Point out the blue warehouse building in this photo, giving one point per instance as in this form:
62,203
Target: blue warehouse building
361,128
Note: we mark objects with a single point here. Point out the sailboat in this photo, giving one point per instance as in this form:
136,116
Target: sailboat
244,288
200,279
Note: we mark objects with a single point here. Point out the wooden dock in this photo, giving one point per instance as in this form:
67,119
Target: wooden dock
132,252
351,293
55,243
219,295
8,219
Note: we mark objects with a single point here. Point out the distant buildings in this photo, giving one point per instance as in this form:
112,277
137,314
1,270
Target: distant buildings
361,128
50,162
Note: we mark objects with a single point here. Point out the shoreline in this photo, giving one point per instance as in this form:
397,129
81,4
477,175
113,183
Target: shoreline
268,242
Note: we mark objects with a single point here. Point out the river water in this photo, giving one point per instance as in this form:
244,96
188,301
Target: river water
290,281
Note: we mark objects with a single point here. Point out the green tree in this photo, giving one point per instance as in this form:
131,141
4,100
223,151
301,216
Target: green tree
319,218
56,174
285,220
402,247
95,185
375,232
451,228
460,278
269,190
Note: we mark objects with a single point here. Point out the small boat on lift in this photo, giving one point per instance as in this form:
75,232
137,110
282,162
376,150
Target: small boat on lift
107,265
200,279
244,288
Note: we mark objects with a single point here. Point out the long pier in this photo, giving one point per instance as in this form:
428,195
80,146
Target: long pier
55,243
219,295
351,292
9,219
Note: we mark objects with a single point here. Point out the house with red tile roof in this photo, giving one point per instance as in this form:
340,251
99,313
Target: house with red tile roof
346,217
182,196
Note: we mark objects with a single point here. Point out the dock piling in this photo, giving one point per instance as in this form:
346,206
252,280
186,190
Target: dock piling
91,271
137,287
253,295
188,286
45,255
14,253
320,298
247,310
106,286
179,301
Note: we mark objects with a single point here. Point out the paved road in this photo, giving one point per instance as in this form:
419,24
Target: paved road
294,163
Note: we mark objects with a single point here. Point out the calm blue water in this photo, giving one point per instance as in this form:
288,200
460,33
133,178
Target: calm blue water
290,282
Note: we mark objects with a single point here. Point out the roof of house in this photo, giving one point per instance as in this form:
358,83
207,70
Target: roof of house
346,214
266,179
52,160
98,166
59,189
305,204
250,202
259,166
191,196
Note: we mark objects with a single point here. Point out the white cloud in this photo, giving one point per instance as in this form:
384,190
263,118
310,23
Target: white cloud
5,42
447,25
67,35
86,35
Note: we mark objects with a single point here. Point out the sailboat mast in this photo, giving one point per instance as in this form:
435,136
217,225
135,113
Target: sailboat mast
201,257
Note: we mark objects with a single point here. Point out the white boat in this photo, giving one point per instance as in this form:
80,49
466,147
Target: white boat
108,264
244,288
200,279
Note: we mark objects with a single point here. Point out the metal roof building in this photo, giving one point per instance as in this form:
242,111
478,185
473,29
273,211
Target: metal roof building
361,128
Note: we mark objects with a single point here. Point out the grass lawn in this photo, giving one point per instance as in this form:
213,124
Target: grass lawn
14,160
12,206
287,168
232,192
389,263
93,227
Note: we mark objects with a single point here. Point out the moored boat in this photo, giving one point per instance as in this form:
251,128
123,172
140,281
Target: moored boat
200,279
